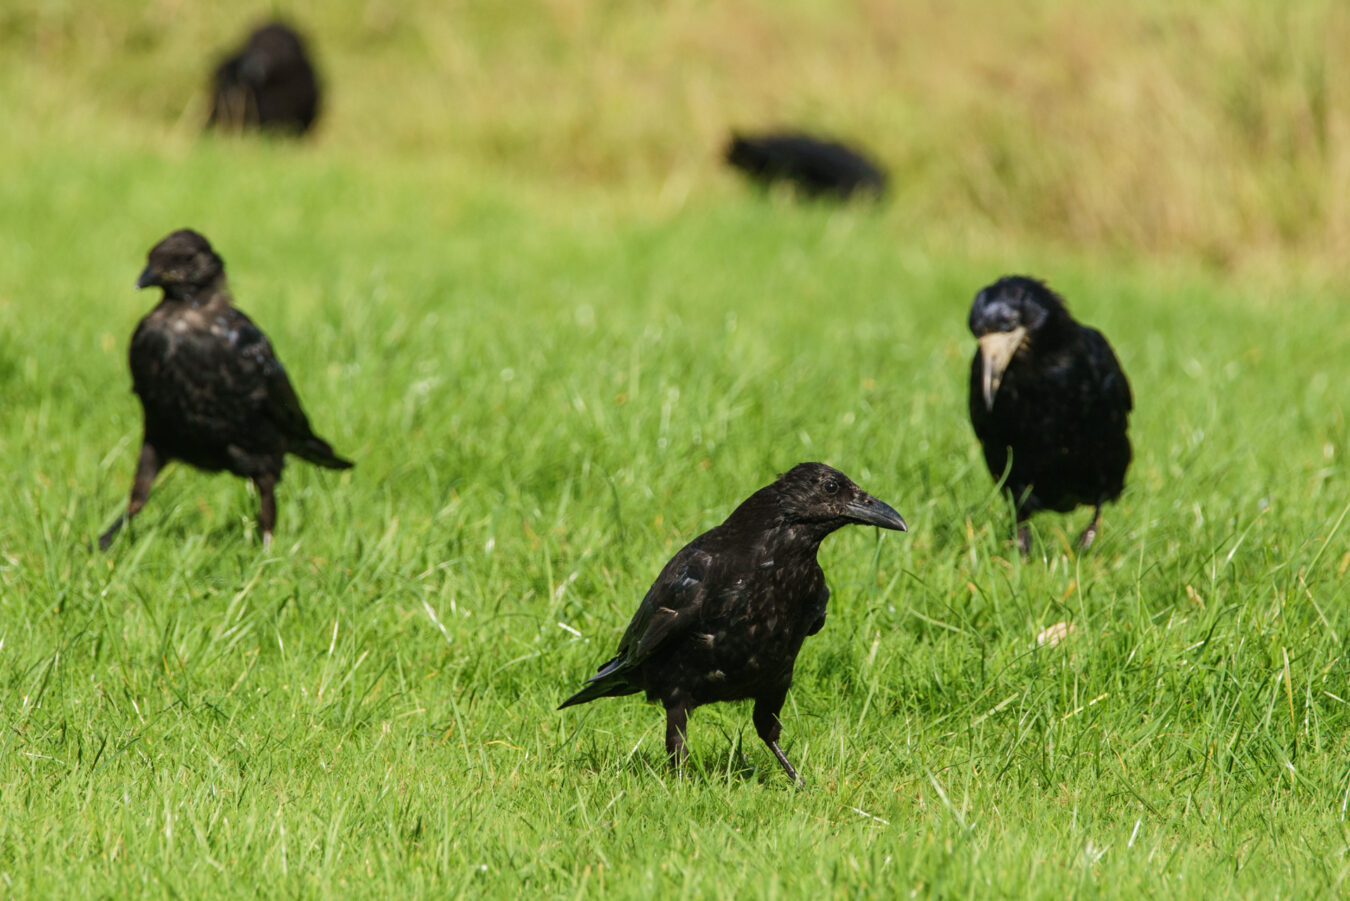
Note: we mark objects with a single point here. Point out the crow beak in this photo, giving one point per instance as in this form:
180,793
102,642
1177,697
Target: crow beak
998,348
871,512
147,279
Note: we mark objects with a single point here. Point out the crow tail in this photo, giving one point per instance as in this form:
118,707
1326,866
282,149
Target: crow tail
316,450
610,682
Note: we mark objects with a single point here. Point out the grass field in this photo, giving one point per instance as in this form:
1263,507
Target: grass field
557,353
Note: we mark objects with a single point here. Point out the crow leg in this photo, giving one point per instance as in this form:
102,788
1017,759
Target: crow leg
1089,533
267,506
1025,506
147,467
677,718
769,728
1023,535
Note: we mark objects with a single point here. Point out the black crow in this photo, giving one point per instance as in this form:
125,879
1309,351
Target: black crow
725,619
269,84
817,168
214,394
1051,393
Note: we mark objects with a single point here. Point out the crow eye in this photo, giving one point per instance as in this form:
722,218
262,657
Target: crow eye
831,486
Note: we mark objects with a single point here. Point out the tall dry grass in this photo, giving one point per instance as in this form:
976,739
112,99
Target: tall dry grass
1218,130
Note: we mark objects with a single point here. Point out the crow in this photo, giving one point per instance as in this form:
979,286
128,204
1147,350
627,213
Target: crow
214,394
1050,393
818,168
269,85
727,615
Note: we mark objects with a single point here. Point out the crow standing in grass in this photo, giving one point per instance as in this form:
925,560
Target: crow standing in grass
817,168
728,614
214,394
1051,393
269,84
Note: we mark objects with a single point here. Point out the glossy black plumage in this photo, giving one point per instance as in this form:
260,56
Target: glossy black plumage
727,615
816,167
1052,392
269,84
213,393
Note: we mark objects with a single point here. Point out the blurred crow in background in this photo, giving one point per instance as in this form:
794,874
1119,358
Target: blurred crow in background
1050,394
726,617
817,168
213,393
270,84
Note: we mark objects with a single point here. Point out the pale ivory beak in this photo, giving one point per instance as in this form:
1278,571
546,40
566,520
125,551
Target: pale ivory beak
998,348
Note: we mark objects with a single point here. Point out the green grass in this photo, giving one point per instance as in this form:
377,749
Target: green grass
549,385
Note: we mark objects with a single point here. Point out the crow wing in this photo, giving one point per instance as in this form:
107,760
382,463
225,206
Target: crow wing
819,622
671,606
250,354
1115,389
279,403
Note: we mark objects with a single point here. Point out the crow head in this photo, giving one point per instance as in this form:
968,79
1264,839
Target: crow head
819,496
744,153
183,264
272,49
1012,314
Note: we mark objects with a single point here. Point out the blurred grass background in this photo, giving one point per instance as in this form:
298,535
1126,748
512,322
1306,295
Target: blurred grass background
1217,130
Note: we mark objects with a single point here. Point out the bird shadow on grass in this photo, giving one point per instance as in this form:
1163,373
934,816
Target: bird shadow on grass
176,530
726,766
708,763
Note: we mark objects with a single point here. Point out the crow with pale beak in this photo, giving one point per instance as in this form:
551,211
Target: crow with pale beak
727,615
1049,403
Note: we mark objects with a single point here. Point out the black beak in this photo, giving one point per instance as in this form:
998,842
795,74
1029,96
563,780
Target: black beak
872,512
147,279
